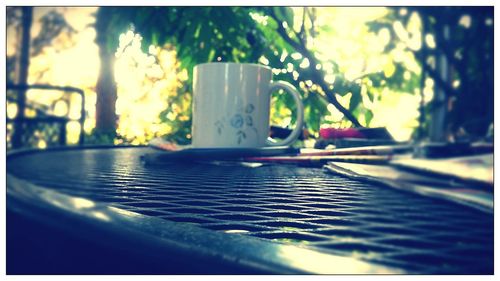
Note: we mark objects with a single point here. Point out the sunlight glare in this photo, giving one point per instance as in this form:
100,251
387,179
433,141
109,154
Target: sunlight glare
73,131
429,40
259,18
397,112
82,203
329,78
67,61
319,263
11,110
465,21
305,63
42,144
61,108
263,60
144,82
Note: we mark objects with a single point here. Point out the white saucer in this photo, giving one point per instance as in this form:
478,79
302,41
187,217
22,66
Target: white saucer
188,151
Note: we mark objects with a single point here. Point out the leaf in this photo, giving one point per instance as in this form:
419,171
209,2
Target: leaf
389,69
355,101
154,40
211,55
368,117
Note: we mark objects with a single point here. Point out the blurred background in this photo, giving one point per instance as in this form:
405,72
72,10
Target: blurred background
122,75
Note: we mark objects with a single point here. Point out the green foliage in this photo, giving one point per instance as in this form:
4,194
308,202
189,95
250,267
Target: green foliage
468,51
314,110
181,126
99,138
210,34
232,34
251,34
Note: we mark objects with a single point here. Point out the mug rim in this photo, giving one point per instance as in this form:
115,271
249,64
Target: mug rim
234,63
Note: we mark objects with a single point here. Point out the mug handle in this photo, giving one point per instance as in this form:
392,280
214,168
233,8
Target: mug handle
289,88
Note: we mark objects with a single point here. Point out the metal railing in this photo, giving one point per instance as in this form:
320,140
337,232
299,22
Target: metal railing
19,120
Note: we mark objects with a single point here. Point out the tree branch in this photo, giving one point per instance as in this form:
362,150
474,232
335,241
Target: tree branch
317,77
439,81
445,50
303,26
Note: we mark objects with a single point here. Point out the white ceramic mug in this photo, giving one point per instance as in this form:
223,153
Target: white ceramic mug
231,104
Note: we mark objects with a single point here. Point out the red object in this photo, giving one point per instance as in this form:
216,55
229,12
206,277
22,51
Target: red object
332,133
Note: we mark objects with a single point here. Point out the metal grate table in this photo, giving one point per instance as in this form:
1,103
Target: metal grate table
284,205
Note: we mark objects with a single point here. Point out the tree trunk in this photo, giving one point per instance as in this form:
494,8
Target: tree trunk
22,72
106,87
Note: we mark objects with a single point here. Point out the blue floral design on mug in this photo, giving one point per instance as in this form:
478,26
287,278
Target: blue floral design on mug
237,121
249,108
220,126
240,121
